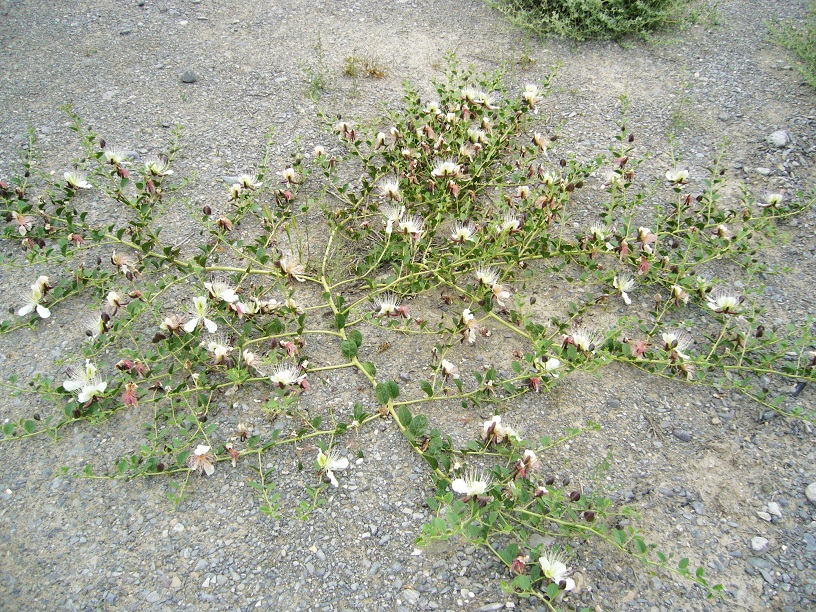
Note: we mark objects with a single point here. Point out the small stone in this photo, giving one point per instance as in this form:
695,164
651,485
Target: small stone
124,31
763,171
613,403
773,508
153,597
404,376
810,493
410,596
178,527
758,544
716,421
698,507
201,565
764,516
188,76
778,139
175,583
682,435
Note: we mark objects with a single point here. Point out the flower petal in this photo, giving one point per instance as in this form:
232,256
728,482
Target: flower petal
332,479
209,468
190,325
43,311
211,326
24,310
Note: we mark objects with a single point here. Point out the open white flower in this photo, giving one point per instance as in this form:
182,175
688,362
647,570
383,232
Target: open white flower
487,276
677,340
494,431
679,294
220,289
85,382
289,175
386,305
218,347
76,180
772,200
392,213
446,168
115,156
463,232
677,177
202,460
293,268
585,339
412,226
24,222
472,484
157,166
624,283
287,375
32,302
199,313
555,570
390,189
329,462
723,301
509,223
249,181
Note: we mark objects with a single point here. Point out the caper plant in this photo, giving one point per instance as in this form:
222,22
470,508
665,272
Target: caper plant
461,199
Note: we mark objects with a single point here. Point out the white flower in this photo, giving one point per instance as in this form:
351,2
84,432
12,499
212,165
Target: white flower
555,570
412,226
320,151
493,430
218,347
390,190
585,339
500,294
723,301
328,462
157,167
386,305
477,96
477,136
448,369
624,283
523,192
677,340
487,276
446,168
289,175
392,213
24,222
115,156
219,289
550,366
463,232
472,484
293,268
509,223
530,96
199,313
249,181
286,375
599,229
433,108
76,180
772,200
95,324
679,294
202,460
85,382
32,303
677,177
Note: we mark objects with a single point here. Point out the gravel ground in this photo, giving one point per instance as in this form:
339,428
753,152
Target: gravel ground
708,471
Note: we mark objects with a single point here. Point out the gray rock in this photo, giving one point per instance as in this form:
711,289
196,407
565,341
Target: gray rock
810,493
758,544
778,139
682,434
188,76
774,509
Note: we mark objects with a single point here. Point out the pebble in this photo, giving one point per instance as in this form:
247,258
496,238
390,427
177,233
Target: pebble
810,493
682,434
758,544
764,516
188,76
778,139
773,508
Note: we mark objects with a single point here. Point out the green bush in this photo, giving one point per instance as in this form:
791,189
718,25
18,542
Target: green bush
801,42
593,19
